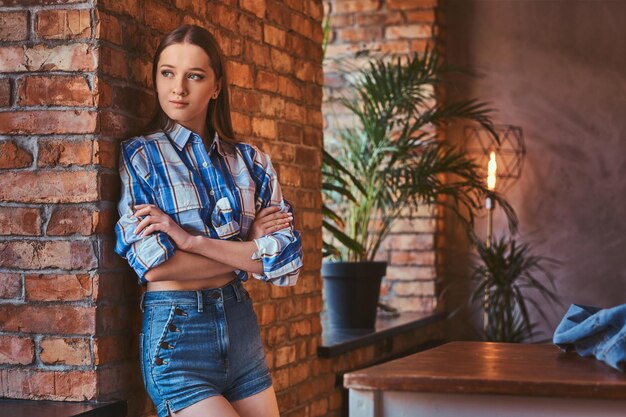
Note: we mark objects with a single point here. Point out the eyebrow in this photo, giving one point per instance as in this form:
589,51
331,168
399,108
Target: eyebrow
190,69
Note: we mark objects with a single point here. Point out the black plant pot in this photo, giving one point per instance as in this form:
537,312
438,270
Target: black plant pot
351,290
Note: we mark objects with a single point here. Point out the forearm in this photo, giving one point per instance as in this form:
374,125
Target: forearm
185,266
236,254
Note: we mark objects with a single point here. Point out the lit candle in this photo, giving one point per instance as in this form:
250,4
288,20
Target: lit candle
491,171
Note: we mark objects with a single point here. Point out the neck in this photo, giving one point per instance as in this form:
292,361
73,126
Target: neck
200,129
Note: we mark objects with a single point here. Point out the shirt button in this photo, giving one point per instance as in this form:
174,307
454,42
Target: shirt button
206,164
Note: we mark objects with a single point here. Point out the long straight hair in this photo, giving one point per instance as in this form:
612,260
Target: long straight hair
218,115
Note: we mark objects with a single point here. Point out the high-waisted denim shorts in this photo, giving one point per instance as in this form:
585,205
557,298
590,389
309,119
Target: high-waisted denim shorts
197,344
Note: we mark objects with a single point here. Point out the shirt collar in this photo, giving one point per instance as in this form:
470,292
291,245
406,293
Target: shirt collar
180,135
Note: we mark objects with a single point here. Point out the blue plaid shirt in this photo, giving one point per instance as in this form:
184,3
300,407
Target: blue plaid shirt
215,193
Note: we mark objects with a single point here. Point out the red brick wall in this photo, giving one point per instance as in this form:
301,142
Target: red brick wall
74,81
55,207
399,27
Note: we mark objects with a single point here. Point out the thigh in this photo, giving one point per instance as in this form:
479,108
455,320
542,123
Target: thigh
212,406
262,404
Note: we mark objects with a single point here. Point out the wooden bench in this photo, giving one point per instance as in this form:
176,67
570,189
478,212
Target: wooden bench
41,408
476,379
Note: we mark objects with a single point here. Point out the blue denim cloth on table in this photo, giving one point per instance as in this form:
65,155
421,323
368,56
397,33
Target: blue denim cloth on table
595,331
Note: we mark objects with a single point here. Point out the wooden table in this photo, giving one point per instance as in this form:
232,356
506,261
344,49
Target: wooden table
477,379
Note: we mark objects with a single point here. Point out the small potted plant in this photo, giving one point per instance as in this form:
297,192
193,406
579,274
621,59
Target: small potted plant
391,160
506,270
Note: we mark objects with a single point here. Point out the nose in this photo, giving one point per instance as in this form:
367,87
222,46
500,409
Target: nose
179,88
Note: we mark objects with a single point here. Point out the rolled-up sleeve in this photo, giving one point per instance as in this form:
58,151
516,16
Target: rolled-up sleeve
281,251
142,253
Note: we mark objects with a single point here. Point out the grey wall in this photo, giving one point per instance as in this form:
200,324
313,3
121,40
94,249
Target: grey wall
558,70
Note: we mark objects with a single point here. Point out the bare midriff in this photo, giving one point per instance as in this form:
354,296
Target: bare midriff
191,285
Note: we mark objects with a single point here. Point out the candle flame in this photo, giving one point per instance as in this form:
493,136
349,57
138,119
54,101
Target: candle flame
491,171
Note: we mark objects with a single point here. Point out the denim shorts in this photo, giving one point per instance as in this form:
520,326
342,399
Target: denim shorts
197,344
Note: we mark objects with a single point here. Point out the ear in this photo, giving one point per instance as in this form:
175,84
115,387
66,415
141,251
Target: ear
218,84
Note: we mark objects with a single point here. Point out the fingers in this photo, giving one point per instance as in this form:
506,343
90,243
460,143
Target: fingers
277,225
141,206
277,217
151,224
145,209
267,211
151,218
287,216
145,222
271,212
152,228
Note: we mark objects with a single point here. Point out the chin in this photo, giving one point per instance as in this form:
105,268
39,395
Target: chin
178,115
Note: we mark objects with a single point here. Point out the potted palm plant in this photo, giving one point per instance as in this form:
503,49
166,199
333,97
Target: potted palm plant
506,271
391,160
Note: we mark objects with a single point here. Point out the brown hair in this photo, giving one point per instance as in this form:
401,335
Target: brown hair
218,114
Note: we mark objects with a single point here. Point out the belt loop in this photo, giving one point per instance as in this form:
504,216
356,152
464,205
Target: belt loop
200,302
236,289
143,294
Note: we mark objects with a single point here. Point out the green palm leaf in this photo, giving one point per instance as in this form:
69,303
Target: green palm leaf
507,270
391,159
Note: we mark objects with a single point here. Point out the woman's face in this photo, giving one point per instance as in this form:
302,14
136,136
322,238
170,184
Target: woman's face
185,83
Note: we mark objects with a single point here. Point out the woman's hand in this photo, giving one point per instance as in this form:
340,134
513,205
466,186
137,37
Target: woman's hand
269,220
157,221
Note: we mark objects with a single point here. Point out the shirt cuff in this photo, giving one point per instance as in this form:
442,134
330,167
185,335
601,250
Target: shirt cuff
154,251
278,272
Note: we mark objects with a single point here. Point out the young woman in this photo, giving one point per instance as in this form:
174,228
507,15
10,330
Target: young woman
198,209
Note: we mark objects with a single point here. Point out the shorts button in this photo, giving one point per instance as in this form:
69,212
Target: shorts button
215,295
158,361
212,192
206,164
165,345
179,312
172,328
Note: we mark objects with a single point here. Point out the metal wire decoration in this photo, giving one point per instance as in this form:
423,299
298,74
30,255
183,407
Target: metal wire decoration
509,153
501,165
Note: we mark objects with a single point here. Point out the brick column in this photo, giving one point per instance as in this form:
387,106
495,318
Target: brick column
399,27
54,202
74,81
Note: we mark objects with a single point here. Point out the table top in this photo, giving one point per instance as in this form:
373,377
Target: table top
494,368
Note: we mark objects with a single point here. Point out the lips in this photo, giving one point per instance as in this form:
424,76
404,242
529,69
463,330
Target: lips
178,104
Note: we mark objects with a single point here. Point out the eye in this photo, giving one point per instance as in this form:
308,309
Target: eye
194,76
166,73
